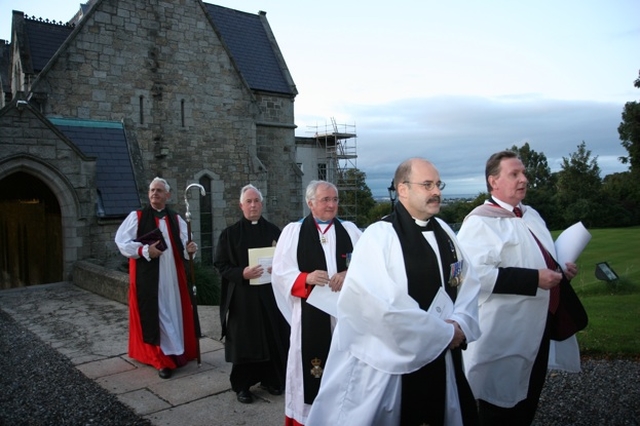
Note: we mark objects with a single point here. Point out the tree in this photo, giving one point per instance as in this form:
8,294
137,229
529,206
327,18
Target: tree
580,175
621,194
579,187
538,171
355,197
619,186
541,182
378,211
454,212
629,131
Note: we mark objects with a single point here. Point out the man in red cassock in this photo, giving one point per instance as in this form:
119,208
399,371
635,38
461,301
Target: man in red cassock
162,326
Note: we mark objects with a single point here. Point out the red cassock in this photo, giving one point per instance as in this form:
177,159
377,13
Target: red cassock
151,354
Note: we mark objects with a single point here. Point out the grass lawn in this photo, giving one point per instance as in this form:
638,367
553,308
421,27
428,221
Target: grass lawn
613,308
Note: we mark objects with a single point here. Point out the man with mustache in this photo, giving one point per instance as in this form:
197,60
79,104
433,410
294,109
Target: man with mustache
407,309
512,252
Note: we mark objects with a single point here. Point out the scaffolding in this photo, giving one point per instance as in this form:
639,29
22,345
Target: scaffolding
338,142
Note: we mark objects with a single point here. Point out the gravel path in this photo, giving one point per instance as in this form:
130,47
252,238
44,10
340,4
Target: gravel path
607,392
40,387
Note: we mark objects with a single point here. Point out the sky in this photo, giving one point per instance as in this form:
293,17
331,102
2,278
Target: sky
450,81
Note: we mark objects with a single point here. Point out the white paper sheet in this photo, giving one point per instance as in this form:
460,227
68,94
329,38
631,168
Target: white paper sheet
264,257
323,298
571,242
442,305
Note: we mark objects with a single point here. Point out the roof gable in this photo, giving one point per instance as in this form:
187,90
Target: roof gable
248,42
44,39
115,180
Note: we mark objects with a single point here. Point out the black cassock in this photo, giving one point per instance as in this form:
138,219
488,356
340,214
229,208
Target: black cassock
257,335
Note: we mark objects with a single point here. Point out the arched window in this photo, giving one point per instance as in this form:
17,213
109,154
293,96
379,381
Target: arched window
206,223
182,114
141,109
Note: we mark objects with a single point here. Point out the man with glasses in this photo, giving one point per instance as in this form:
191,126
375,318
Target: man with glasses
311,256
407,309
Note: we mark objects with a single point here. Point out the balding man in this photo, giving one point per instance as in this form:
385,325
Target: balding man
407,309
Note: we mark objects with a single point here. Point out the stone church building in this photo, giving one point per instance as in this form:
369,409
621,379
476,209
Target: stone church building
94,109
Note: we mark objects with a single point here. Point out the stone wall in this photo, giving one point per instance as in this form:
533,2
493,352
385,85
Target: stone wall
32,145
103,244
161,69
106,282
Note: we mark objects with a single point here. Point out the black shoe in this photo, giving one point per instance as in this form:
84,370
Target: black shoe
272,389
165,373
245,397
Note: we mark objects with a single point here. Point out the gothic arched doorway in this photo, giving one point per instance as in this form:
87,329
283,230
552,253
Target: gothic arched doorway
30,232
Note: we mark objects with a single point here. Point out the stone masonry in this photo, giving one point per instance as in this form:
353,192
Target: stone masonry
160,68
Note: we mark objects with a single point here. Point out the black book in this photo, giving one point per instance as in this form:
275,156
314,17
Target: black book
151,237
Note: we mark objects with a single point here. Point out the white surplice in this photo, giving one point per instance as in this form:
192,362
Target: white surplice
498,365
382,333
284,273
170,309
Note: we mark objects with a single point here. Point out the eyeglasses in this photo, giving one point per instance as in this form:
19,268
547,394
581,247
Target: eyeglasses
326,200
429,185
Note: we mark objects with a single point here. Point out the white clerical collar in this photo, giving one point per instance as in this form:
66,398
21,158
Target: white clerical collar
254,222
421,223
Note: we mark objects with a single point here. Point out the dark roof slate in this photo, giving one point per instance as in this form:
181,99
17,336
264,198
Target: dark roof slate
5,65
249,45
243,33
115,181
44,40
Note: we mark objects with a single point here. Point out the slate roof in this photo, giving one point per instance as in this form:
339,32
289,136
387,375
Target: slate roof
5,66
249,45
115,181
248,42
44,39
243,33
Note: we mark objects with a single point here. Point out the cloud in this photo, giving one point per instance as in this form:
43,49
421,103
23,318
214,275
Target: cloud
458,134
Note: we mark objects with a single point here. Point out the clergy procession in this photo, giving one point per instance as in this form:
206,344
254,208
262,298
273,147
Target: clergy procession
404,323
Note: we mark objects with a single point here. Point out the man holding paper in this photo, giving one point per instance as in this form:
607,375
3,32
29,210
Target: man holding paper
257,335
310,264
513,254
407,309
161,321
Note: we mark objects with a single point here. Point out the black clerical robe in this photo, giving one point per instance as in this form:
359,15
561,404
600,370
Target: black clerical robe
252,324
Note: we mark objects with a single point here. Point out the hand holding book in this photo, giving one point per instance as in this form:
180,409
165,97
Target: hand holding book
151,237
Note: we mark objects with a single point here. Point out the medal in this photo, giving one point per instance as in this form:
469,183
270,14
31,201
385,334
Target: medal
323,239
316,370
455,274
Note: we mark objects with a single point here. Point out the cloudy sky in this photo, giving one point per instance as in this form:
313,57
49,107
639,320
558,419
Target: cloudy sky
452,81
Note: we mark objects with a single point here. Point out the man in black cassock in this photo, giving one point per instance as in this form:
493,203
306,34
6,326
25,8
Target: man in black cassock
257,335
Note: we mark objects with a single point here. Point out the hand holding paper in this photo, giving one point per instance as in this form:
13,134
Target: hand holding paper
325,299
571,242
263,257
